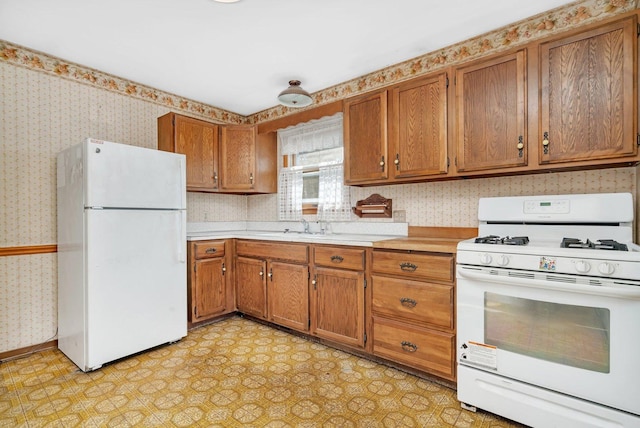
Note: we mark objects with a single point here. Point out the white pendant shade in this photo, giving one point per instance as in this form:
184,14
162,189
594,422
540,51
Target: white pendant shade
295,96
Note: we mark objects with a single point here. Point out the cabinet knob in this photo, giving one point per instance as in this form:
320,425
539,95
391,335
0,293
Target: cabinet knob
261,273
409,347
397,161
545,142
251,178
520,146
382,163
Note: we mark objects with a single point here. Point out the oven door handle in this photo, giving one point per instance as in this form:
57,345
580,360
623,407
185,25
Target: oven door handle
621,291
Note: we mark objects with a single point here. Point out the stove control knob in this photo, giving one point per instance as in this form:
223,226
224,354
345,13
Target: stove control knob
503,260
582,266
485,258
606,268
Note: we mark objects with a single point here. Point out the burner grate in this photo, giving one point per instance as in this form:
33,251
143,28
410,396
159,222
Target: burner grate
601,244
507,240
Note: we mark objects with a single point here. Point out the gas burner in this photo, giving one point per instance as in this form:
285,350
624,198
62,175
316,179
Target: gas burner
601,244
507,240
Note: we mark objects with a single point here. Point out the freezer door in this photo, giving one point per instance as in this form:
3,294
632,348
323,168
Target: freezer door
123,176
136,282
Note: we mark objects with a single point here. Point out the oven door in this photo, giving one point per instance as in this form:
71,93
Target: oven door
546,330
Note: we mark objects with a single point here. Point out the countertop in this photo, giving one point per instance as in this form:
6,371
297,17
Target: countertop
440,245
392,236
359,240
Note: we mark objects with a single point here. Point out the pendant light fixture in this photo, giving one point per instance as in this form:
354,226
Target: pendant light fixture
294,96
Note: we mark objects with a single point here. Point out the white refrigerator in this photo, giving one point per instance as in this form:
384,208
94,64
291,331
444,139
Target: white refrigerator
121,251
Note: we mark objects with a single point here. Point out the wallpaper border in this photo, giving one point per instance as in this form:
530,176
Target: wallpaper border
40,61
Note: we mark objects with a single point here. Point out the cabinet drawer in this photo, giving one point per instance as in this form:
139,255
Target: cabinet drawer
208,249
273,251
339,257
434,266
423,349
413,301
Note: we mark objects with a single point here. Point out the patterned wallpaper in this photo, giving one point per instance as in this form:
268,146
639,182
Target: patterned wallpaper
41,114
455,203
47,104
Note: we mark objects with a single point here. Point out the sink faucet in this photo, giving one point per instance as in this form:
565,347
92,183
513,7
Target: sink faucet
305,224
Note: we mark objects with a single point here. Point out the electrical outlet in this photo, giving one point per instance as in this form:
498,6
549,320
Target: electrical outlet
400,216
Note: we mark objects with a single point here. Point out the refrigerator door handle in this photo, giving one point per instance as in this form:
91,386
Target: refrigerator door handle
181,235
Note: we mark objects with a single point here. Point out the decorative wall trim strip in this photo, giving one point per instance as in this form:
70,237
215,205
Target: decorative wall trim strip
31,249
22,352
40,61
573,15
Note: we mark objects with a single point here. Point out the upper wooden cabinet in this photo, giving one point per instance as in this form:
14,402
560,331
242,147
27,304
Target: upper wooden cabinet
247,160
490,113
418,128
588,95
221,158
198,141
365,139
399,134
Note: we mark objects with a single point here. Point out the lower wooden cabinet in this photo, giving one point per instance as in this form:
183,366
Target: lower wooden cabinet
412,306
425,349
210,290
251,286
395,304
338,298
272,282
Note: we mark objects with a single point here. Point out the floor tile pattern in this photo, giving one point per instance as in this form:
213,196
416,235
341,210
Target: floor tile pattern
234,373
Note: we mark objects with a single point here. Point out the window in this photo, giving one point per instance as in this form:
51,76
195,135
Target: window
311,176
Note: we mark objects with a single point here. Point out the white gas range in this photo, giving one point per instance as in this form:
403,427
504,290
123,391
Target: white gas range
546,297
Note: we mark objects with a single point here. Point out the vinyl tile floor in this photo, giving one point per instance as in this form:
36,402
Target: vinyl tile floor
233,373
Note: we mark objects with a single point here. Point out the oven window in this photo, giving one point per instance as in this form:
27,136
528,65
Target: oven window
576,336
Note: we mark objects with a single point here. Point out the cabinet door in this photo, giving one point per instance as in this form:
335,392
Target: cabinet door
588,95
365,139
198,141
339,302
209,294
251,291
288,291
418,128
237,158
490,107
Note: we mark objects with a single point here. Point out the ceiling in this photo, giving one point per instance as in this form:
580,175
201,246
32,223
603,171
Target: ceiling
239,56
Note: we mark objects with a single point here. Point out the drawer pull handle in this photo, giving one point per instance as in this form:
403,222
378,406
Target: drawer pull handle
408,267
337,259
210,250
409,347
409,303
